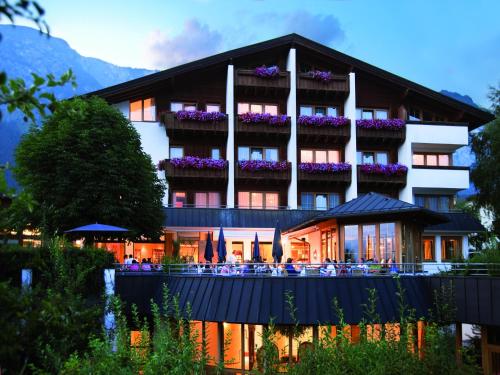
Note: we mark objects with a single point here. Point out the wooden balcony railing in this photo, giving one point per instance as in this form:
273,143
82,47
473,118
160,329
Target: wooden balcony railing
247,78
328,134
194,175
259,130
337,178
397,181
381,136
176,127
339,83
263,176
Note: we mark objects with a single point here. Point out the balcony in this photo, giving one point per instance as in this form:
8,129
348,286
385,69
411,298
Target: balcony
313,177
382,137
375,180
337,85
430,177
261,130
264,176
177,129
313,135
187,175
246,82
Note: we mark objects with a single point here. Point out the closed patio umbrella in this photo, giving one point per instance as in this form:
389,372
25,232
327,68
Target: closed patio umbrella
256,250
277,251
221,247
209,250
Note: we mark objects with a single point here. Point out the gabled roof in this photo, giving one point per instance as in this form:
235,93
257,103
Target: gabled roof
374,205
129,87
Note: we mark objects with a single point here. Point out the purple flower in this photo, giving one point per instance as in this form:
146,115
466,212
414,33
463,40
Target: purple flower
384,169
329,121
390,124
256,118
323,76
267,72
194,162
201,116
324,168
263,165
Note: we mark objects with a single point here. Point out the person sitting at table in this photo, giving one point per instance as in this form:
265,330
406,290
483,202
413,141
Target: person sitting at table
289,268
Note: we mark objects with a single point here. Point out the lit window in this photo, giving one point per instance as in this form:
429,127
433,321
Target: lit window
444,160
256,108
368,250
149,110
200,200
319,156
176,152
244,199
189,107
271,200
451,247
243,108
179,199
213,199
432,160
256,200
351,244
333,156
271,109
306,156
213,108
418,159
207,199
387,245
136,110
175,107
428,248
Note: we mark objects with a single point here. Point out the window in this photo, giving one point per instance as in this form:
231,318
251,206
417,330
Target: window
319,201
309,110
351,244
428,248
387,245
207,199
414,114
143,110
255,199
372,157
442,203
369,240
432,159
213,107
215,153
371,114
257,153
319,156
178,106
179,199
176,152
451,247
272,109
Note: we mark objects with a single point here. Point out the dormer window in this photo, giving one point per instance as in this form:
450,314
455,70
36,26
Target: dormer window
142,110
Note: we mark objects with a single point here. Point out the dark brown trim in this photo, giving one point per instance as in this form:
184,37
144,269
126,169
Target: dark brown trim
439,123
450,167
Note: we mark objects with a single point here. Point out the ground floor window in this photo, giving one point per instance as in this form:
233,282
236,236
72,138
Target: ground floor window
370,242
150,252
300,251
351,243
189,244
255,199
265,250
451,247
328,244
428,248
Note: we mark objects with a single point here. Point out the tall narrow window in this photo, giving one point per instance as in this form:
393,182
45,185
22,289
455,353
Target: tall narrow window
351,245
368,242
179,199
428,248
307,201
387,246
136,110
451,247
215,153
321,201
143,110
149,110
213,107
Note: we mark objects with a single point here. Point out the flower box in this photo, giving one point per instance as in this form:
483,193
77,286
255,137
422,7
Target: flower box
325,172
382,174
264,118
192,168
388,124
263,170
390,131
323,121
201,116
248,78
267,72
258,125
322,81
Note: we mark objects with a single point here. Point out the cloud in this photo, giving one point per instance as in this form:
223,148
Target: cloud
195,41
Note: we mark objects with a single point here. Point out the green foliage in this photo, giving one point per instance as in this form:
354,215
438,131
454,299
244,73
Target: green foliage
86,165
489,256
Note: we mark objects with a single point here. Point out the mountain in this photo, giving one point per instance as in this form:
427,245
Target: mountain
462,98
24,50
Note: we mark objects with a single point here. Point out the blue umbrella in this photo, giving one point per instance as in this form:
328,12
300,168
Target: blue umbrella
221,247
97,228
277,246
256,250
209,250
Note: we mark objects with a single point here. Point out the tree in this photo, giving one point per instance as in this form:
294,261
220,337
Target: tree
86,165
485,173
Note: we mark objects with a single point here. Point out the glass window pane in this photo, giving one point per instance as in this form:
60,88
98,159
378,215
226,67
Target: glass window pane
418,159
444,203
306,156
306,200
321,201
359,157
189,107
271,200
381,114
256,154
256,200
332,111
215,154
214,200
213,107
256,108
351,246
382,157
419,201
176,106
306,111
271,109
243,108
387,246
333,156
200,200
320,111
451,247
136,110
368,158
432,203
358,113
333,200
368,242
432,160
271,154
149,109
367,115
176,152
428,245
243,153
320,156
243,199
179,199
444,160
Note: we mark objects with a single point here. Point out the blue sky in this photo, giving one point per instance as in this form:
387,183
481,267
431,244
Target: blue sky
442,44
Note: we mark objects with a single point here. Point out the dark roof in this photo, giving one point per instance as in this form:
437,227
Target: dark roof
458,222
234,217
374,204
122,89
